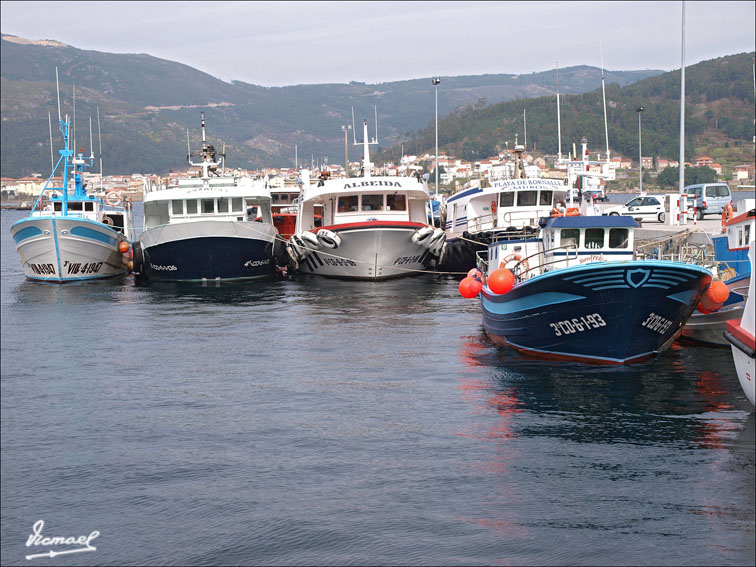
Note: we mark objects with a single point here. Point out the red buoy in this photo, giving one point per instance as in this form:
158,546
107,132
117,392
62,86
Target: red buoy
500,281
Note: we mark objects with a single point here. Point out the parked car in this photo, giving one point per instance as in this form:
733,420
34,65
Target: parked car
708,198
645,207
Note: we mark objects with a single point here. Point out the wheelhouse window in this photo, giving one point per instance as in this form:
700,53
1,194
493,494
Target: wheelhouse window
372,202
191,207
594,238
177,207
74,206
396,203
348,203
236,204
618,238
569,237
58,207
208,206
506,199
527,198
223,205
545,198
89,206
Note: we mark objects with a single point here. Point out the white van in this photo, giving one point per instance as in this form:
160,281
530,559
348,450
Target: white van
708,198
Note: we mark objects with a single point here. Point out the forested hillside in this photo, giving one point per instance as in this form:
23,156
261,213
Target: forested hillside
719,110
147,104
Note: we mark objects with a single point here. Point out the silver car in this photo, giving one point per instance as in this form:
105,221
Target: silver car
645,207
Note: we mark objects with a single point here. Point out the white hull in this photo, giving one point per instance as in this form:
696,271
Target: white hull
744,365
63,249
369,254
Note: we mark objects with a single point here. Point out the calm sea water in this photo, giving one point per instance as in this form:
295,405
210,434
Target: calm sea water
311,421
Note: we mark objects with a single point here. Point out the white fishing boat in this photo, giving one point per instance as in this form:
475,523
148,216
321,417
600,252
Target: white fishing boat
373,227
208,227
75,236
740,334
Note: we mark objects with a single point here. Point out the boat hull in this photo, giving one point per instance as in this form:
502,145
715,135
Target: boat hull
605,313
743,346
370,251
209,250
65,249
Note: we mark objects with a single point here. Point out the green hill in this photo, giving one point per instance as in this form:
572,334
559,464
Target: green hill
719,115
147,104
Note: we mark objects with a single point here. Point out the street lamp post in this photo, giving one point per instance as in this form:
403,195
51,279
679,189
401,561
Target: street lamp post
346,128
436,81
640,153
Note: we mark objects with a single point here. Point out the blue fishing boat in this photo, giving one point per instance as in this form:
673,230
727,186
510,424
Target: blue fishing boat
579,294
78,236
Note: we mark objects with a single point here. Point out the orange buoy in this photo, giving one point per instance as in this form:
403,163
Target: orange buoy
500,281
123,246
703,309
130,265
718,291
469,287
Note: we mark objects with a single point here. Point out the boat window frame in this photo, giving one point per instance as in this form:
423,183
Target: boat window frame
204,202
594,243
175,202
542,193
510,197
188,206
371,196
569,237
347,207
396,197
623,239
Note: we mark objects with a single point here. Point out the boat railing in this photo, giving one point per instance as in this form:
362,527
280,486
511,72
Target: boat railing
481,223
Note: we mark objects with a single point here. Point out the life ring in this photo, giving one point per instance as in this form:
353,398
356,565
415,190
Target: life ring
573,212
556,213
328,238
493,207
310,240
107,220
113,198
296,247
515,258
437,239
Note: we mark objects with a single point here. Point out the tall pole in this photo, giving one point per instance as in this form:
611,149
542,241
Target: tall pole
346,128
683,199
640,152
436,81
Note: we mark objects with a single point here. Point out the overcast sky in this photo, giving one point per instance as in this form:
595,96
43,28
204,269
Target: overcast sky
288,43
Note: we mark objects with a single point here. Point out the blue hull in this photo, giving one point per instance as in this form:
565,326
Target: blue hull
209,258
609,313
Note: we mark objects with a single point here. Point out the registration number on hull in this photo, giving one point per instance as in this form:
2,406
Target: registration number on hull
577,324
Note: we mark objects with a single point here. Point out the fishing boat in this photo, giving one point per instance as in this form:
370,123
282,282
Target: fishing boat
74,236
579,294
734,269
740,335
211,226
374,227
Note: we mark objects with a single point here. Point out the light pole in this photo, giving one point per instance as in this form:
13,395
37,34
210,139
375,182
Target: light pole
640,153
436,81
346,128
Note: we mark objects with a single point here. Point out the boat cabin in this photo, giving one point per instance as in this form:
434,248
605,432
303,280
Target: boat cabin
343,201
512,203
92,208
237,199
567,241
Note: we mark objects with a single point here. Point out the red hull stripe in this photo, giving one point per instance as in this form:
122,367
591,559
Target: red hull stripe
733,326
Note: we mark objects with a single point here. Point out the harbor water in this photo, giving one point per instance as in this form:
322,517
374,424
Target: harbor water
308,421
